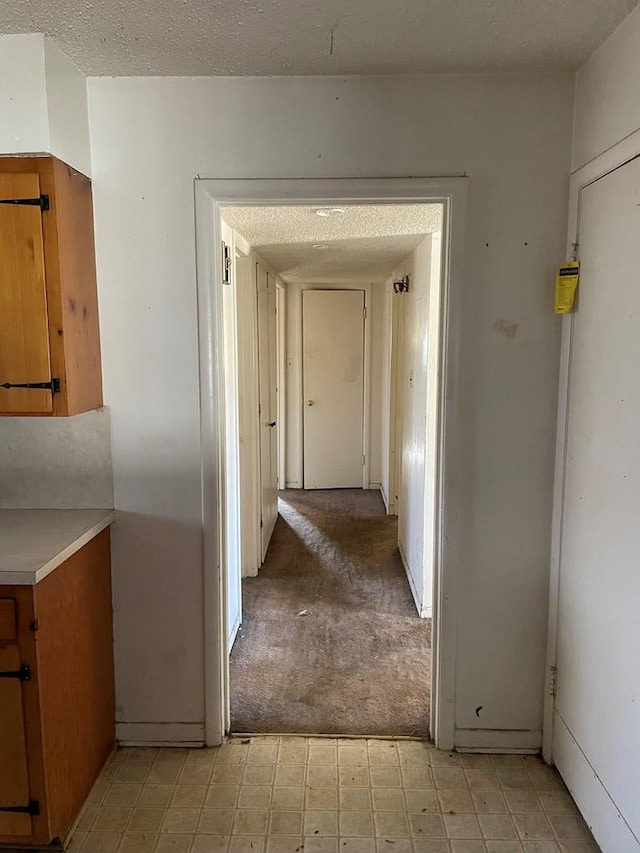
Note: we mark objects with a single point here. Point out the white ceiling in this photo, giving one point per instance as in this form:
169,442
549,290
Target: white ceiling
363,245
289,37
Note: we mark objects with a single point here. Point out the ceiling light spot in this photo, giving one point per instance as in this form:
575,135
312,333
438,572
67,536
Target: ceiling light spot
325,212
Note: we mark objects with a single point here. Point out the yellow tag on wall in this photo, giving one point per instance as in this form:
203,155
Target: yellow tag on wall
567,279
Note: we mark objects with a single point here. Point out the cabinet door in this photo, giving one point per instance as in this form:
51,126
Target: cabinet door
14,776
24,333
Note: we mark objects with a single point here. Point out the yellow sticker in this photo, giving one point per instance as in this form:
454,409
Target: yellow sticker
567,279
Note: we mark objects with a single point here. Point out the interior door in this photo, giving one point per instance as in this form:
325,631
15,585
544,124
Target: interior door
598,655
24,344
268,378
333,388
14,777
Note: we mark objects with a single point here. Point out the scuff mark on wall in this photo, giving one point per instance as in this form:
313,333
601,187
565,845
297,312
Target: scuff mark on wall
507,330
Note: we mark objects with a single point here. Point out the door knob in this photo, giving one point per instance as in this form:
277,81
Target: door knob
309,402
271,424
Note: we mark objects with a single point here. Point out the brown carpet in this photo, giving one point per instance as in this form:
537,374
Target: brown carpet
359,660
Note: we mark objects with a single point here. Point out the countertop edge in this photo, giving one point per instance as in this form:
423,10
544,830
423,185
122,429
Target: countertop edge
22,578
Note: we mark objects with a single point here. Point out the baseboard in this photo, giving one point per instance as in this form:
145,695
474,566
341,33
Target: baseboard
390,508
160,734
234,631
385,499
518,741
610,829
423,612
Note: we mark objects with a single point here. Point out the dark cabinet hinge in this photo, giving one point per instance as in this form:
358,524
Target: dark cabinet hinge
53,385
23,674
32,809
42,202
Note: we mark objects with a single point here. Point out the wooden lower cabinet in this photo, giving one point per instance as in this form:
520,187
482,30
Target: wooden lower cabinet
57,713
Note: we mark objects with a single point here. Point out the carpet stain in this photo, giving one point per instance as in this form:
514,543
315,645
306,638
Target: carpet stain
331,642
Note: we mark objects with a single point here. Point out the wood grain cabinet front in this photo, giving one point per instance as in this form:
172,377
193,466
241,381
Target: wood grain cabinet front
57,707
49,332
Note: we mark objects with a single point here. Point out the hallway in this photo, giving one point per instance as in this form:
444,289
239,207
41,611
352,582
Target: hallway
330,641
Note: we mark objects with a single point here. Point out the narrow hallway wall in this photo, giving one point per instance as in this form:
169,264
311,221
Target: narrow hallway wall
413,412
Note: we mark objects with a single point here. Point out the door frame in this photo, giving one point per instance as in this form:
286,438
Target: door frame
211,195
601,166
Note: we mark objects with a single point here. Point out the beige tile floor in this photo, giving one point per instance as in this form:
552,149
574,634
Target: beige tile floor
318,795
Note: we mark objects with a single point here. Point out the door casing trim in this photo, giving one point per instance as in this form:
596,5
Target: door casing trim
212,194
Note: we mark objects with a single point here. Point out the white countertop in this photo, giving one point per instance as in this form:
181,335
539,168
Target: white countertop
34,542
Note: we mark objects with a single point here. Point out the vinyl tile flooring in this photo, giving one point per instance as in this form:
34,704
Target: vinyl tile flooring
327,795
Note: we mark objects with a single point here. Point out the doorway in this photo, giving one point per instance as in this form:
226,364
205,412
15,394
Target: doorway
595,578
352,566
211,196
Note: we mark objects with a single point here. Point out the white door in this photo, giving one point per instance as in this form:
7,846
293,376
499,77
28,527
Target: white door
333,388
268,373
597,712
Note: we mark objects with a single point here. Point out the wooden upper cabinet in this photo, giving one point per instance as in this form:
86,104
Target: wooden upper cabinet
49,332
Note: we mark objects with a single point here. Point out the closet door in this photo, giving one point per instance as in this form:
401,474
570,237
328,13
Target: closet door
596,726
333,379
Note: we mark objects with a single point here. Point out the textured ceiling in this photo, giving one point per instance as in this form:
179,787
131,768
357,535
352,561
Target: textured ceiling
364,244
284,37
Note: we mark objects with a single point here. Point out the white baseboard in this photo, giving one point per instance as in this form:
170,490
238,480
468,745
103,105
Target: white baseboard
385,499
234,631
516,741
160,734
423,612
611,831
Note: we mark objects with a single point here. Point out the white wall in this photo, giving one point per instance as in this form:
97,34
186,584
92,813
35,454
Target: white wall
608,93
294,399
150,137
387,403
56,463
230,427
595,744
67,109
23,96
417,371
43,102
248,402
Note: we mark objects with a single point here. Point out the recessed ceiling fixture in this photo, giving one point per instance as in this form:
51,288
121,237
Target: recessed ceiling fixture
319,245
325,212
